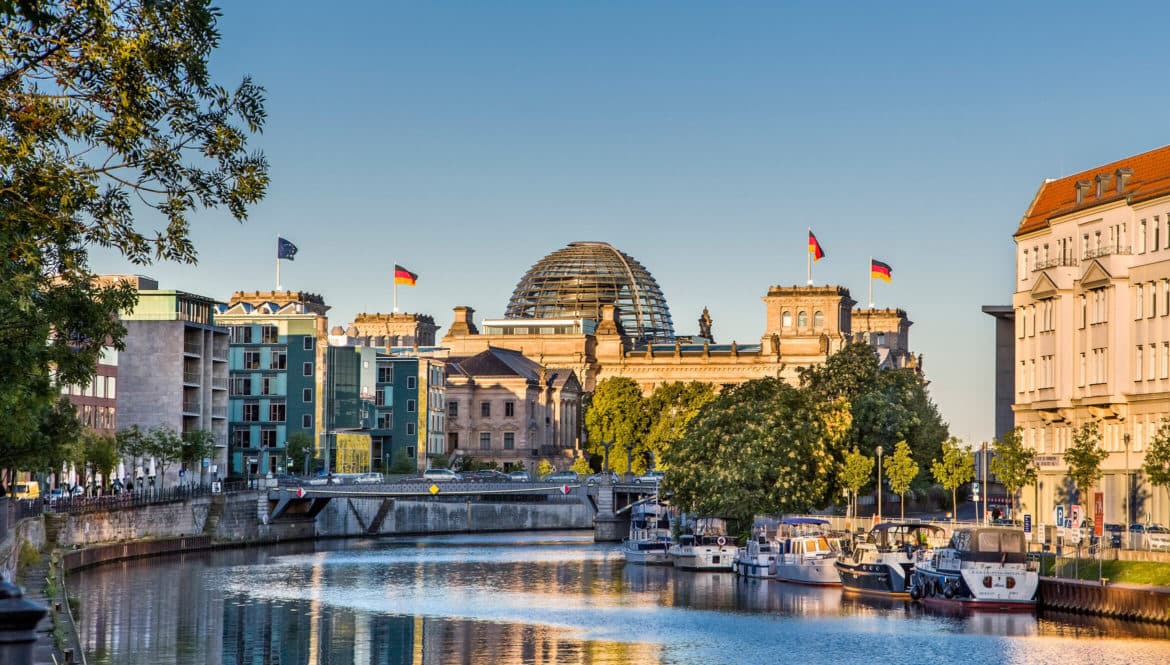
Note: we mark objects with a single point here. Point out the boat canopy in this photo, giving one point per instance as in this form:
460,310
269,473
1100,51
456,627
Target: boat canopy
804,520
989,540
901,533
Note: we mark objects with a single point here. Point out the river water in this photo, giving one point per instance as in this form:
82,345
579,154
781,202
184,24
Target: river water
534,598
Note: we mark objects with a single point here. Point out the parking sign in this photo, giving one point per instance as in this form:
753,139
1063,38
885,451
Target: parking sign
1060,516
1027,524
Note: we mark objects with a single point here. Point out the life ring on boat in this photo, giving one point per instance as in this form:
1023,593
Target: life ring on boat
721,540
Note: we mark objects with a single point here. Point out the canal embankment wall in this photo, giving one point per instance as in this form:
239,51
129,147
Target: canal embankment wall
1116,600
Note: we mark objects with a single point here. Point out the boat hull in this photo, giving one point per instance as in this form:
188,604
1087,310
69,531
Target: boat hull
874,578
981,589
645,557
754,567
703,558
820,572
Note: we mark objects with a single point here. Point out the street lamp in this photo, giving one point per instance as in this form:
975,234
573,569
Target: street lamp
605,461
879,484
985,488
630,459
1127,502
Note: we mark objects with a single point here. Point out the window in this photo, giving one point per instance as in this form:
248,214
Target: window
452,409
279,360
1166,292
1152,291
385,421
485,409
1081,372
241,334
241,385
1137,305
1021,322
786,319
818,319
1164,361
276,412
307,421
306,395
251,412
1141,239
410,406
410,452
251,360
410,429
268,437
385,375
1084,310
307,369
380,397
308,343
411,382
509,440
1151,362
1032,374
485,440
268,385
241,438
802,319
453,440
509,409
269,335
111,391
1137,364
1022,377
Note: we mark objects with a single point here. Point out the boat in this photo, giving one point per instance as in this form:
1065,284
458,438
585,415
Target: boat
708,548
982,568
757,559
806,554
883,563
649,537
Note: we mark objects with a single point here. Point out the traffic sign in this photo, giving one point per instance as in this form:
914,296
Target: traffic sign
300,492
564,489
1076,516
434,489
1027,524
1060,516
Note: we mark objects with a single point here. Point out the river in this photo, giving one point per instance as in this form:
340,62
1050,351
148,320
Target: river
534,598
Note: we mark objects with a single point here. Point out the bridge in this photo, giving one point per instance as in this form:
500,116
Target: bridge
608,503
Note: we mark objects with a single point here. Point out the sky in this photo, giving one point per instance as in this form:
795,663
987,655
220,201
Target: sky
466,140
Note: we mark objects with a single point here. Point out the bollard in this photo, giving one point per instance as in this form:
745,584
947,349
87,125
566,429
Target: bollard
18,623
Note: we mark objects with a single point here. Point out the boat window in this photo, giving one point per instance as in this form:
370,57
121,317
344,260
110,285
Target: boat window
989,541
1012,541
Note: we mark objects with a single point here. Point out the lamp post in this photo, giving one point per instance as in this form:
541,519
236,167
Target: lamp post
606,445
985,488
1127,502
879,484
629,460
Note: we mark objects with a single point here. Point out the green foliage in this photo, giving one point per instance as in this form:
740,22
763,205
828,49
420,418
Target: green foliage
617,412
1157,464
108,112
53,441
581,466
672,407
166,447
1013,464
402,464
901,469
544,468
856,470
1084,456
299,447
28,556
956,467
759,447
197,445
440,462
100,453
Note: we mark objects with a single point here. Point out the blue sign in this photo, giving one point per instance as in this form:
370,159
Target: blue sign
1027,524
1060,516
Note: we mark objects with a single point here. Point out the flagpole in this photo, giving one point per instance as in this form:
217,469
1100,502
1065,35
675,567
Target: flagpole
395,278
871,282
278,263
810,260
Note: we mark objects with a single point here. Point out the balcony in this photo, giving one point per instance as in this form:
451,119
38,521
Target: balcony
1108,250
1060,261
219,412
193,347
220,353
219,382
191,378
192,407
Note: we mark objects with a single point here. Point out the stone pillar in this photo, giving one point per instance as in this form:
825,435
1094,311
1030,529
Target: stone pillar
18,622
607,526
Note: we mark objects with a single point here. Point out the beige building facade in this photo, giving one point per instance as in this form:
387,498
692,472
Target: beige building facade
1092,329
396,329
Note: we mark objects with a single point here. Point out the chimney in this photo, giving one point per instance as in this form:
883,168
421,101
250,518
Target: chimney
1123,175
1102,180
464,322
1082,189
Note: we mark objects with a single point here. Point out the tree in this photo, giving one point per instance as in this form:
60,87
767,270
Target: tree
856,470
1157,464
133,445
759,447
196,446
1084,457
101,454
672,406
581,466
544,468
47,448
617,412
300,448
109,113
166,447
956,467
1013,464
901,470
403,464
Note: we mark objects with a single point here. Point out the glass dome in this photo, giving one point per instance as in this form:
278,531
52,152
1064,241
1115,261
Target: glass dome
574,282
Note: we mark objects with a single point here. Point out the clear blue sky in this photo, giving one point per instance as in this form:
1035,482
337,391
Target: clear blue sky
467,140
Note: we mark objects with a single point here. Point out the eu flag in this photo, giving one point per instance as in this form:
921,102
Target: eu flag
285,249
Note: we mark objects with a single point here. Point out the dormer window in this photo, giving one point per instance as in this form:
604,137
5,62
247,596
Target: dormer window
1082,189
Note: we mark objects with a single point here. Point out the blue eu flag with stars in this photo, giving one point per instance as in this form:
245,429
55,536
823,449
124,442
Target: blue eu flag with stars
285,249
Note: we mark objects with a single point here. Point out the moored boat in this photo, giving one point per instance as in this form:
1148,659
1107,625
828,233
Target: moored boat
708,548
806,553
982,568
757,559
649,538
884,562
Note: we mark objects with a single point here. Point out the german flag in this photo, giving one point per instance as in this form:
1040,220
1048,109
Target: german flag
404,276
814,247
879,270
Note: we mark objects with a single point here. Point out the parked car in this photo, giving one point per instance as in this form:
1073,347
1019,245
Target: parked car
441,475
29,490
55,494
563,477
598,477
372,478
520,476
651,477
1114,533
1153,536
78,490
487,476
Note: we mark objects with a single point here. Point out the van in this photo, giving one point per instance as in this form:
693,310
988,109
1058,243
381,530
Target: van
26,490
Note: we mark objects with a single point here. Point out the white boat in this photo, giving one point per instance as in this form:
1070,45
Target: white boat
649,537
806,554
708,548
758,559
983,568
883,563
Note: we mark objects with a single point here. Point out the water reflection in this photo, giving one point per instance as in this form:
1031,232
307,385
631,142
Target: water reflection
531,599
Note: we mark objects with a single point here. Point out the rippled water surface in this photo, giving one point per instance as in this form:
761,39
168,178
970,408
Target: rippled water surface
535,598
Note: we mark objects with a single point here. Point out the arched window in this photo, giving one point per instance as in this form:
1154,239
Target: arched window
802,319
786,319
819,320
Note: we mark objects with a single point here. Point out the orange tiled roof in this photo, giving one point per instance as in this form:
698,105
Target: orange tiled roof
1151,177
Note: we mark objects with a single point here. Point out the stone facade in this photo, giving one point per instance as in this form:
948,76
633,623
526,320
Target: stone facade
394,329
1092,329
